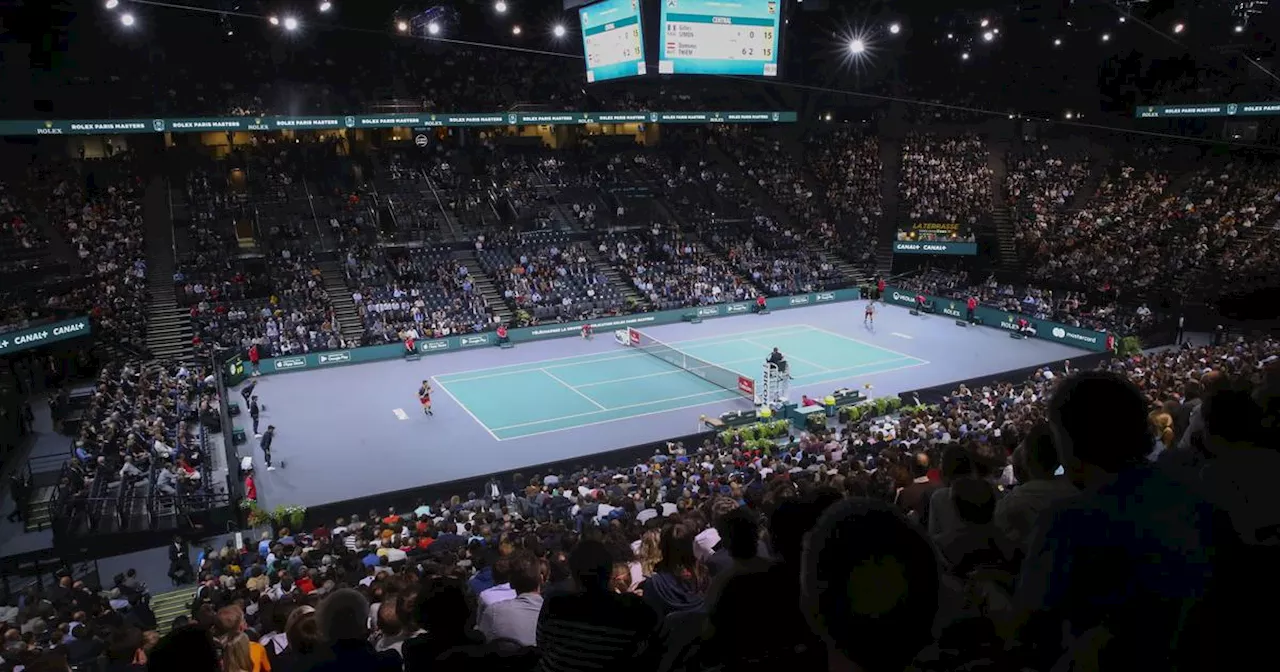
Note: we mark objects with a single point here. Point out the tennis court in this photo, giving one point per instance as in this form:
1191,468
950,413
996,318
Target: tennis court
551,395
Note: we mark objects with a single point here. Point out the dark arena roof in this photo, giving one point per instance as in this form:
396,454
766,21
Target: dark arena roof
679,335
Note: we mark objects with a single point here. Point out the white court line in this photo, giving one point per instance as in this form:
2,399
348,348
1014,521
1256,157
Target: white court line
595,356
725,365
513,369
869,345
618,408
688,396
573,389
464,408
769,349
902,335
400,414
824,381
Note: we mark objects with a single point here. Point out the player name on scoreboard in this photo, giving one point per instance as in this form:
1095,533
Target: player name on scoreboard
614,42
732,38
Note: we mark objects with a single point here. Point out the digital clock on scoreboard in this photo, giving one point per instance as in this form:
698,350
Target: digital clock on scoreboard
612,40
720,37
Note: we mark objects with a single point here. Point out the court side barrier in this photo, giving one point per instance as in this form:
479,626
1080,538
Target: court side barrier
434,346
991,316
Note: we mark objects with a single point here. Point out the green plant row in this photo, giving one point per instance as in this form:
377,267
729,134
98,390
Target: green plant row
281,516
1129,346
759,431
869,409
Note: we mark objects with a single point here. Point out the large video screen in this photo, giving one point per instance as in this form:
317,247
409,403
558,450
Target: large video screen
935,238
612,39
720,37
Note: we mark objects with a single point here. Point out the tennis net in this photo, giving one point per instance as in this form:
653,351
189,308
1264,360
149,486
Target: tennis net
712,373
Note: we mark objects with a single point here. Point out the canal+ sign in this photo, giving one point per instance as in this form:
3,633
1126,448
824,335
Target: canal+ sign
34,337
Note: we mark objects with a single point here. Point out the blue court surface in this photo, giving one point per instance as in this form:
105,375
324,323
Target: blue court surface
354,431
552,395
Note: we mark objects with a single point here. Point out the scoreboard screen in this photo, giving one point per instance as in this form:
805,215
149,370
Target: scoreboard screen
720,37
612,40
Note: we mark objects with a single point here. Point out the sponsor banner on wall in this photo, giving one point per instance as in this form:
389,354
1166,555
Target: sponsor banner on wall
559,330
1002,319
912,247
34,337
354,121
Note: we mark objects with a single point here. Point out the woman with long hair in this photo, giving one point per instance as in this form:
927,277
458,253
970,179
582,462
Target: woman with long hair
235,654
679,581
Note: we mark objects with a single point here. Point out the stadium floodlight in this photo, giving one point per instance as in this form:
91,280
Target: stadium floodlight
986,22
127,19
951,36
826,117
275,21
112,4
895,28
326,6
964,56
500,7
515,30
433,28
290,23
1057,41
988,36
1068,114
558,31
857,46
1239,29
402,26
1179,27
1106,37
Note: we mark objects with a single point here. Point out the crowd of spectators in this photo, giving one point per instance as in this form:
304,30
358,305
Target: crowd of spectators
140,438
419,292
1043,180
986,522
547,280
1134,234
945,179
774,258
674,270
101,219
1074,308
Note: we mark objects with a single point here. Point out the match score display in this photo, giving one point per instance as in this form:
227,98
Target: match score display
720,37
612,40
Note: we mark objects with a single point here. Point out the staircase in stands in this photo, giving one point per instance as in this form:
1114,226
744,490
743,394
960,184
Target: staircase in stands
891,175
344,309
616,280
170,605
1006,250
169,330
485,287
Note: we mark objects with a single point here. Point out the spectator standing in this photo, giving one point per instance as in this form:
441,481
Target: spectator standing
1035,465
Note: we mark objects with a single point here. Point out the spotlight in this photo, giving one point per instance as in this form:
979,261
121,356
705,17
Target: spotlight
951,36
126,19
402,26
988,36
274,21
1179,27
558,31
895,28
1106,37
985,23
500,7
1122,19
326,6
827,117
1057,42
964,56
1068,114
1239,29
112,4
433,28
290,23
230,33
515,30
857,45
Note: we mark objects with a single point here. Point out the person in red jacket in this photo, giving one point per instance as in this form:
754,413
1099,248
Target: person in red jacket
250,488
971,305
880,288
410,345
502,334
253,359
761,304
